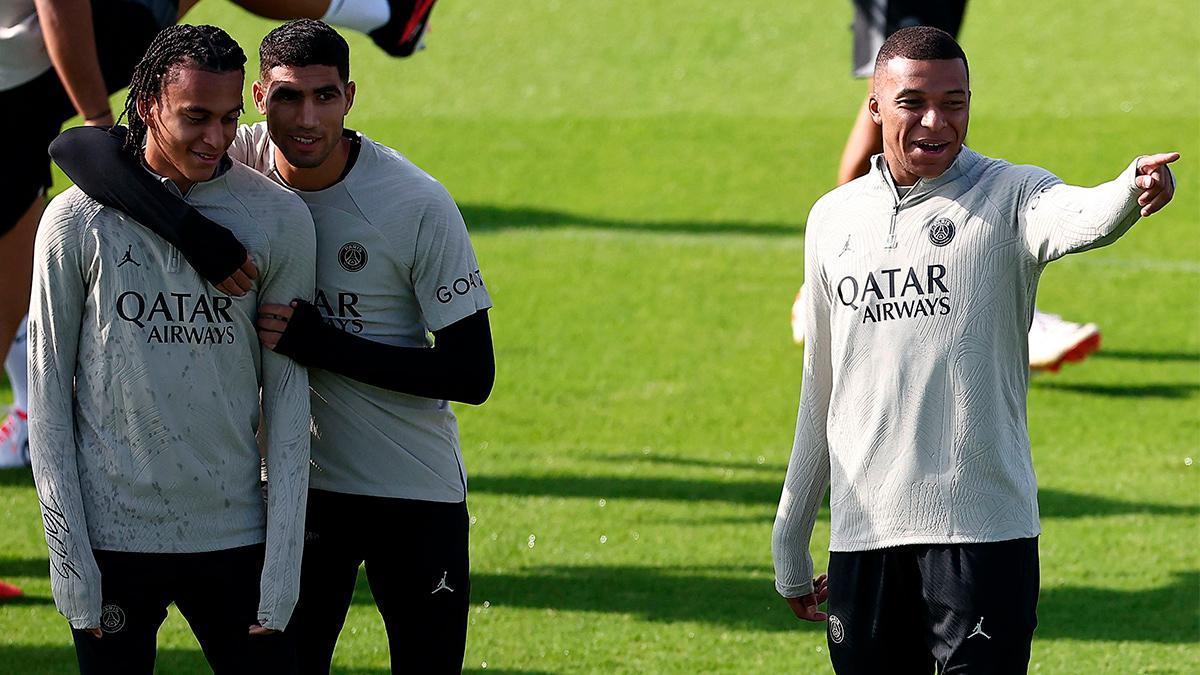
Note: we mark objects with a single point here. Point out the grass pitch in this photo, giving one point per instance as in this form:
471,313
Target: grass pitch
636,181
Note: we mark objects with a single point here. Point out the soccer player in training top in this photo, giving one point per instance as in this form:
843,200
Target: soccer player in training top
60,58
393,262
146,386
921,278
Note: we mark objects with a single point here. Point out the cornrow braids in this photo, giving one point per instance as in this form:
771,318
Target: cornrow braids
204,47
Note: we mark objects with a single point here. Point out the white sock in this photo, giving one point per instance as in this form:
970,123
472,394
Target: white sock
17,367
360,15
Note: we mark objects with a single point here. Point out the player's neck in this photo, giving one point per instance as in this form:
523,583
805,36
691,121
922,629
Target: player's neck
318,177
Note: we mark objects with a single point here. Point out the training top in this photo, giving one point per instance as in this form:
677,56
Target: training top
23,53
145,392
916,365
394,263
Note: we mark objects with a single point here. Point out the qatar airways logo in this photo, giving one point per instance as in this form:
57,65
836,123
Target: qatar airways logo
340,311
179,318
897,293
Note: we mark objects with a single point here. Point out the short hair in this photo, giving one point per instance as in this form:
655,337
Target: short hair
920,43
304,42
203,47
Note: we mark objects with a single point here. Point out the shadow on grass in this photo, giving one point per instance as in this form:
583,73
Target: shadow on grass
24,567
486,218
1171,391
1126,355
634,458
18,477
1163,615
648,593
1053,503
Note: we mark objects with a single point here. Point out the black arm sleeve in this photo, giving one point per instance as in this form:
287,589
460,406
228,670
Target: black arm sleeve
92,157
459,367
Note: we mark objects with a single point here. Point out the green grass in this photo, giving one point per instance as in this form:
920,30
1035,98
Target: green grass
636,178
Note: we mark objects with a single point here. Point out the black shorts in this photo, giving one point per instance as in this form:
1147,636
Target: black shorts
968,608
217,592
416,559
33,113
875,20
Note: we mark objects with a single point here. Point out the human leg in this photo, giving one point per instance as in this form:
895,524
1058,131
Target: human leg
420,578
135,599
876,614
327,578
863,142
982,603
217,592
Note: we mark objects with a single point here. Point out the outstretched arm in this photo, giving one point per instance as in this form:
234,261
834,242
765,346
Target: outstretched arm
92,157
459,367
1058,219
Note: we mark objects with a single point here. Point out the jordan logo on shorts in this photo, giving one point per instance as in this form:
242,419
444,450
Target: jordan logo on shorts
979,630
129,258
442,584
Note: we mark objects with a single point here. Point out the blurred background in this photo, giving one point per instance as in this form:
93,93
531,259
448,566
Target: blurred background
636,178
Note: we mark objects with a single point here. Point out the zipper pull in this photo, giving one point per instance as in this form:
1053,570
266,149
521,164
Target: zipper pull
173,261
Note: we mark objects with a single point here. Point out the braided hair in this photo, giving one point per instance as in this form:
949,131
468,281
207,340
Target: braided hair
204,47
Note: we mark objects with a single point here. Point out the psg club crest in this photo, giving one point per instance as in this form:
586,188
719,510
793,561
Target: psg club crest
941,231
353,256
837,633
112,619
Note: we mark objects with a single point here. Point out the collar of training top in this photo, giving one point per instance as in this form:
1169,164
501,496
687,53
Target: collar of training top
222,168
962,164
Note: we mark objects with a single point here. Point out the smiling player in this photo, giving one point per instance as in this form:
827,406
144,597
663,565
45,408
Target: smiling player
394,264
921,279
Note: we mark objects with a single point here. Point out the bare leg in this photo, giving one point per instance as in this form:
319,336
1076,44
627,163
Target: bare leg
16,259
865,140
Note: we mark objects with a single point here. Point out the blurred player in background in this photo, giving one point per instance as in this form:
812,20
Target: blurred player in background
394,264
61,58
920,282
148,388
1052,340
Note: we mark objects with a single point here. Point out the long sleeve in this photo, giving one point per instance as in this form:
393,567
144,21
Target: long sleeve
55,316
808,468
92,157
459,367
1057,219
285,402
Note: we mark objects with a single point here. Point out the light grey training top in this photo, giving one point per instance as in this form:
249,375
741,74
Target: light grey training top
912,410
394,263
145,391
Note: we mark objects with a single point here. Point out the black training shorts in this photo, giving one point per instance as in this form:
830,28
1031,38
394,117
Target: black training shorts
875,20
33,113
968,608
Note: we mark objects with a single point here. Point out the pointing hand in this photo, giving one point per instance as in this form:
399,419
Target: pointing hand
1156,181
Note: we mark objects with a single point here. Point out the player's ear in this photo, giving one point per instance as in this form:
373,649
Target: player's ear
350,89
148,111
259,92
873,108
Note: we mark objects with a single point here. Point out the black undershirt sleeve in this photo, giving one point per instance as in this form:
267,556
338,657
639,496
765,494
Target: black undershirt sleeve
459,367
93,158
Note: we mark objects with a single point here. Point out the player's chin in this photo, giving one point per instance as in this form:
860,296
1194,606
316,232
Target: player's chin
306,157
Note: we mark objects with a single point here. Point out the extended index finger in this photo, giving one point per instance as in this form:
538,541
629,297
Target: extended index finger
1152,162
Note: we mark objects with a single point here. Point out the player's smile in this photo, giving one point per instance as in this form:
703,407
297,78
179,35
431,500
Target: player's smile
306,107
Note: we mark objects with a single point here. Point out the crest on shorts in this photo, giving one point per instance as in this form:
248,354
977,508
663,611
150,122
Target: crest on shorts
353,256
836,632
941,231
112,619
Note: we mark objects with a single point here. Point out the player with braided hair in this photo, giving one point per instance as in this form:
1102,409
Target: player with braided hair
149,490
60,58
